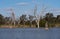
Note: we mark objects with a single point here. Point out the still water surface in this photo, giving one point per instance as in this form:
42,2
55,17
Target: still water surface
29,33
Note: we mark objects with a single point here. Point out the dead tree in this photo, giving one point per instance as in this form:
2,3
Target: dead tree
12,16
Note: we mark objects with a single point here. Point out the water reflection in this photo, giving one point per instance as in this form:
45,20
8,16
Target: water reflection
30,33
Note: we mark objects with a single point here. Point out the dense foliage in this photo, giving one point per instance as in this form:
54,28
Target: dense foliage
31,21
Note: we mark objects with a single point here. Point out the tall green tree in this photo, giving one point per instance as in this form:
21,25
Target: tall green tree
8,20
23,19
58,19
49,17
31,19
2,19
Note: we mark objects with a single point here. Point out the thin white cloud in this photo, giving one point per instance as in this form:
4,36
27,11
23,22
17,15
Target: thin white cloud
33,1
22,3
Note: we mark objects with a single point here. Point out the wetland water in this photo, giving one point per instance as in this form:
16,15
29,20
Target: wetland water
29,33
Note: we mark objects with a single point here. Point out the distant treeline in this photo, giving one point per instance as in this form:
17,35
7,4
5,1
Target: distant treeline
30,21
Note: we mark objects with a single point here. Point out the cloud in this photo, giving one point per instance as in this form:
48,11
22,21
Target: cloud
22,3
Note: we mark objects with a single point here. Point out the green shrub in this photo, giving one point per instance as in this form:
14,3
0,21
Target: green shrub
42,23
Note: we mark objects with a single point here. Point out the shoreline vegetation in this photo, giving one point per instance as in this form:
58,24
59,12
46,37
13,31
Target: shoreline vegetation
30,22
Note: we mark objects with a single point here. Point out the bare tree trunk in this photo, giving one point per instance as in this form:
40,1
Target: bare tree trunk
37,21
46,26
